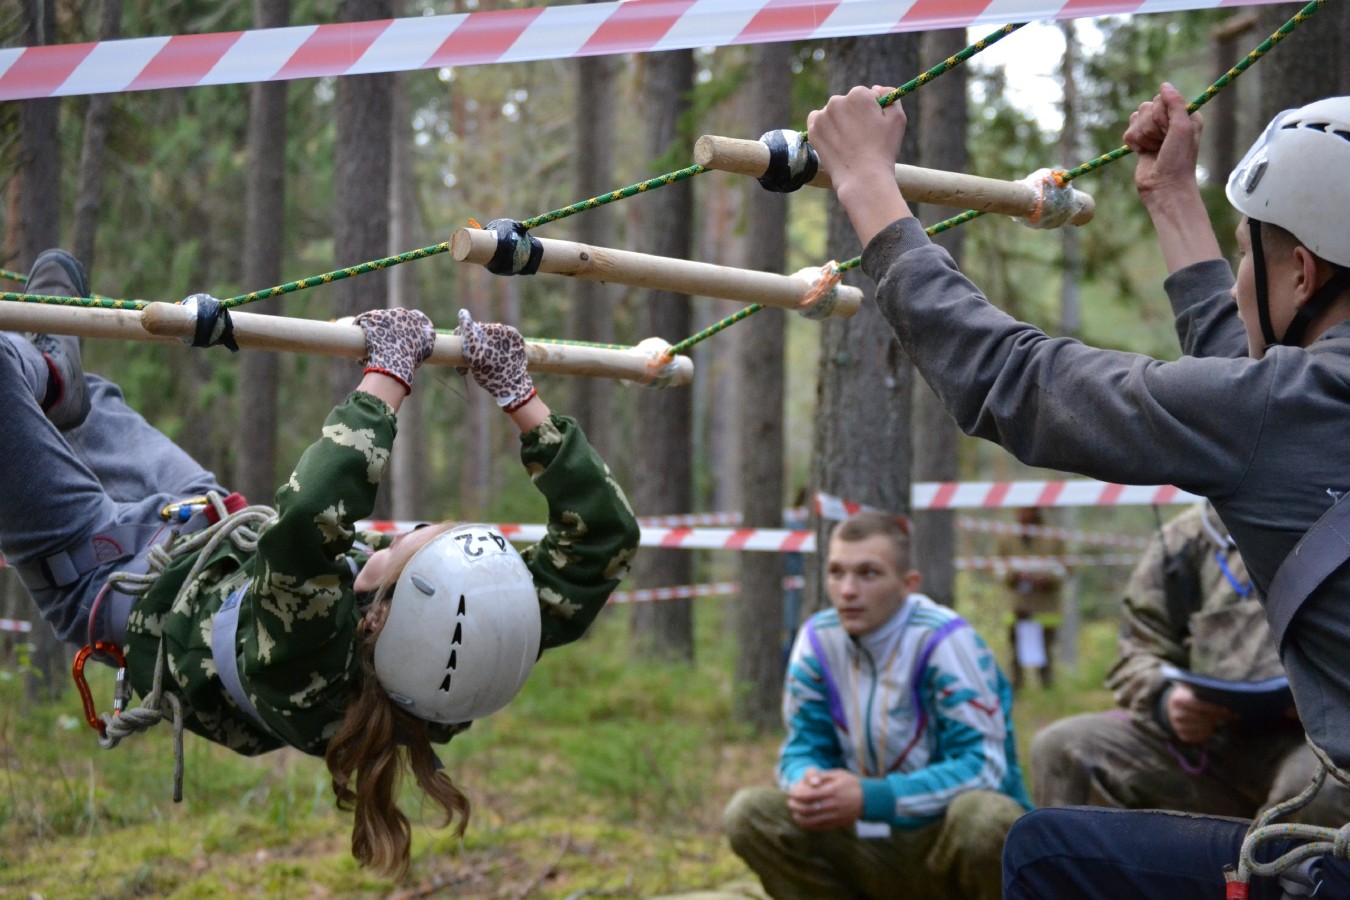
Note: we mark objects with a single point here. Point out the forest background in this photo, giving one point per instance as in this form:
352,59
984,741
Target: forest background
607,776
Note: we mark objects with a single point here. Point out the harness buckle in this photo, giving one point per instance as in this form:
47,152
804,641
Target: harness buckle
122,692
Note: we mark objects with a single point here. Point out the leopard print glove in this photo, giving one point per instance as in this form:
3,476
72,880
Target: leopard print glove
397,341
496,356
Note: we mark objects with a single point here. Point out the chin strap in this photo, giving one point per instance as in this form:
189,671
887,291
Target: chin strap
1307,313
1259,272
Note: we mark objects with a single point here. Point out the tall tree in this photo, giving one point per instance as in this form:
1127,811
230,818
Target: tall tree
862,446
255,456
1312,63
361,192
408,459
93,152
942,121
762,340
665,418
592,314
39,225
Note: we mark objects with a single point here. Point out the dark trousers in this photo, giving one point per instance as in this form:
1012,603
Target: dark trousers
1078,851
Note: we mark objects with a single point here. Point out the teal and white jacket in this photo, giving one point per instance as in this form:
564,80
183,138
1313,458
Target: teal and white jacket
918,709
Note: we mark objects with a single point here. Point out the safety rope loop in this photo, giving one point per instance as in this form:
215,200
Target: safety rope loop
792,161
823,295
1056,202
214,327
518,252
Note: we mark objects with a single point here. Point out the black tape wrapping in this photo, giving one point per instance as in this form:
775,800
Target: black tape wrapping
214,326
792,161
518,252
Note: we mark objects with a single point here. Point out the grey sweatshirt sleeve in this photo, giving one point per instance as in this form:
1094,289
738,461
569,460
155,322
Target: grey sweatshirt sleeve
1206,316
1055,402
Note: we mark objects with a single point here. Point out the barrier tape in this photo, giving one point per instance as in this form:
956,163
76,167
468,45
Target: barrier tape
16,625
929,495
505,36
970,563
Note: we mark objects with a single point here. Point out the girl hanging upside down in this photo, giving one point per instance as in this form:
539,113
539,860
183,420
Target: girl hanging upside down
290,627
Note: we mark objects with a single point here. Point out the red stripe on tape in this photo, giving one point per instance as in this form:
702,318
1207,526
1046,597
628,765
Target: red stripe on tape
41,70
332,47
483,37
186,58
638,23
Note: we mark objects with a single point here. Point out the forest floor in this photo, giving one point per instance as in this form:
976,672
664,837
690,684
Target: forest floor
606,777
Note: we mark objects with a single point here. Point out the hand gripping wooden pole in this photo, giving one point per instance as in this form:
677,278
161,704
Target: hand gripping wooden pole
663,273
171,323
954,189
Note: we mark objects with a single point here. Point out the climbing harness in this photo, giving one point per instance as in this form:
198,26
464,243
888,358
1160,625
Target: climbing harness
221,519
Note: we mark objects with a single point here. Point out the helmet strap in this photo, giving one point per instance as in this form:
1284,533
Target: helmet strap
1259,271
1317,303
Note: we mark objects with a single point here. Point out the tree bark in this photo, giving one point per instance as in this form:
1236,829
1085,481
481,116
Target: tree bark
591,400
93,153
255,456
1310,64
361,194
862,441
761,342
39,228
942,145
408,462
665,418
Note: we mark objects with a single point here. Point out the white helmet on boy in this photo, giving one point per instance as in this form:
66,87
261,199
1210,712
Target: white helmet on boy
462,632
1297,176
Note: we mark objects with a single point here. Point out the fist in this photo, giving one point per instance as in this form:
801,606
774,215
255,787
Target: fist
397,341
497,361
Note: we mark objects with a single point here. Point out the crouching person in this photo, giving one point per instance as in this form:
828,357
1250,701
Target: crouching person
900,765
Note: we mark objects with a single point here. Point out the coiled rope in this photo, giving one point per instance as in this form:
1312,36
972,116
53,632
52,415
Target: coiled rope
242,529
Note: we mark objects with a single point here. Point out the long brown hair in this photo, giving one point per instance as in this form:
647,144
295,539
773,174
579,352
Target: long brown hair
366,763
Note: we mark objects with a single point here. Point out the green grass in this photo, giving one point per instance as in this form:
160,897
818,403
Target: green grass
607,776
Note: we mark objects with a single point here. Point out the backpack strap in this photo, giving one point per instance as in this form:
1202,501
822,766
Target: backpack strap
225,654
1320,552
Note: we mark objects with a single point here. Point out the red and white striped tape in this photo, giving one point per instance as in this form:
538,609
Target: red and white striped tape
1097,538
16,625
1005,494
504,36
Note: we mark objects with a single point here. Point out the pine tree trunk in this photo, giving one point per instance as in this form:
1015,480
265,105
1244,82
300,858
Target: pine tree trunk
761,340
255,457
665,418
942,117
862,441
93,152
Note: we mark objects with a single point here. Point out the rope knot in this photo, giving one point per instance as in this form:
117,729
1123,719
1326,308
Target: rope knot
792,161
214,327
661,367
518,252
1056,202
821,295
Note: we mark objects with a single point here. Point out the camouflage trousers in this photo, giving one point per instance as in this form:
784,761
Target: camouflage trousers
1112,759
959,858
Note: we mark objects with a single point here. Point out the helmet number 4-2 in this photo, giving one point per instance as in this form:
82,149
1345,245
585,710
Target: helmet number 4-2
471,542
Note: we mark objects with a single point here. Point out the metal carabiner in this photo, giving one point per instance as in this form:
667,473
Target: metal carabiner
121,693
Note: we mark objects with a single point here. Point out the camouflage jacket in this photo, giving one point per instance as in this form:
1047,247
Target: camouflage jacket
1032,570
297,627
1181,607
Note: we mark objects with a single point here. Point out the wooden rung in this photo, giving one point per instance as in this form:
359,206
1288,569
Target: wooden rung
171,323
954,189
659,272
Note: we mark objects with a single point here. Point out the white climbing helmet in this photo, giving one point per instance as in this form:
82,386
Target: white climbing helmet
1297,176
462,632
